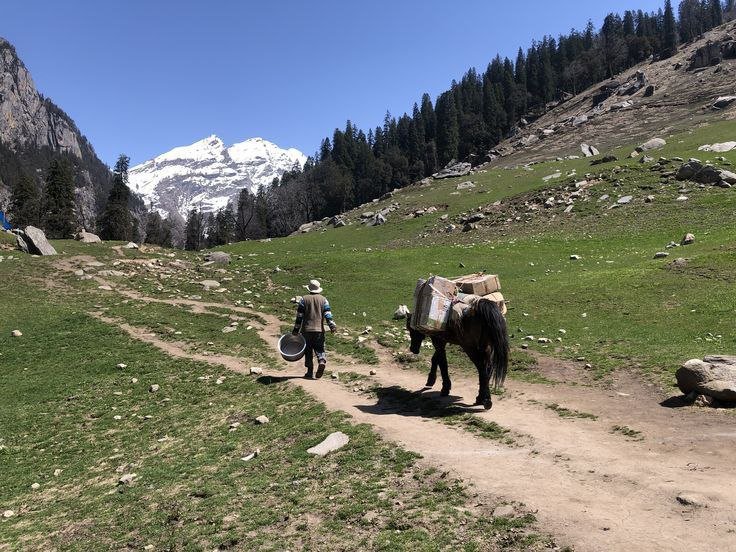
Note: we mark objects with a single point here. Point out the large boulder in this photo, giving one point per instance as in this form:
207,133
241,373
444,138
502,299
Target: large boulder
714,376
688,170
333,442
218,257
705,56
32,240
88,237
718,148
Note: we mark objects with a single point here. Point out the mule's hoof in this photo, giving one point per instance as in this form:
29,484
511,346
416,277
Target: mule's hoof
488,404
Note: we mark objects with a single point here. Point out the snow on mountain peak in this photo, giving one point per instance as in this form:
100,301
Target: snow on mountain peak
207,174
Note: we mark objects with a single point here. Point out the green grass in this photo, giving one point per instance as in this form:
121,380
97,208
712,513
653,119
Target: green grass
627,432
563,412
74,423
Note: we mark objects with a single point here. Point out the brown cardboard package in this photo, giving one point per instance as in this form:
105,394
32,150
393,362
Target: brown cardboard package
432,304
478,284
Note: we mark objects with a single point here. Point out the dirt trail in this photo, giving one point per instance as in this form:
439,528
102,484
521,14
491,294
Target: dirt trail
592,488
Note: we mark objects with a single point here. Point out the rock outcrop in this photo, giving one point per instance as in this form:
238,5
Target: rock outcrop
452,170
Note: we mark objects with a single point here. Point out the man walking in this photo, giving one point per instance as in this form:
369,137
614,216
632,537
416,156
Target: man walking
311,314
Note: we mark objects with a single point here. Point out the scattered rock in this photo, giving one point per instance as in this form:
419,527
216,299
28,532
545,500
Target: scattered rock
625,199
505,511
654,143
723,102
36,486
256,371
333,442
121,366
719,148
373,372
714,376
661,255
8,514
16,333
261,420
466,185
88,237
692,499
209,284
127,479
453,169
218,257
589,151
401,313
130,245
575,257
33,241
229,329
688,239
154,388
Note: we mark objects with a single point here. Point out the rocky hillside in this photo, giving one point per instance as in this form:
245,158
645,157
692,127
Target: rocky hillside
33,130
208,174
654,98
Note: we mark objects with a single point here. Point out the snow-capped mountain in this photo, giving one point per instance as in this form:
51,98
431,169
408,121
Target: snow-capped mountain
207,174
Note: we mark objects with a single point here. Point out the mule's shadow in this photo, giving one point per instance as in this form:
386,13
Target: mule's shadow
397,400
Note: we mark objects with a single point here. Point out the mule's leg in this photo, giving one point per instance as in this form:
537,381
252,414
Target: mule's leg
444,370
432,377
481,362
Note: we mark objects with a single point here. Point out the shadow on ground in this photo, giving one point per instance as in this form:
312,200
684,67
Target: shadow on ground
424,403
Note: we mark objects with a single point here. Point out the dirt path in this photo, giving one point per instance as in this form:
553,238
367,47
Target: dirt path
592,488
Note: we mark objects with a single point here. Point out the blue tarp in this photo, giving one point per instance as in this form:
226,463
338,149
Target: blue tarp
4,224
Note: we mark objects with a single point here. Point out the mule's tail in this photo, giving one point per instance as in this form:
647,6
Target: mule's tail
495,332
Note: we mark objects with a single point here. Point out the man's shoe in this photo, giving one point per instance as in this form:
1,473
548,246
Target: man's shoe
309,375
320,369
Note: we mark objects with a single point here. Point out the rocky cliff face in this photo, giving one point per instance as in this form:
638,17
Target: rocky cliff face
208,174
33,130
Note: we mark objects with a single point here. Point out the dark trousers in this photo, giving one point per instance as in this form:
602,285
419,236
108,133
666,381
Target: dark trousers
315,344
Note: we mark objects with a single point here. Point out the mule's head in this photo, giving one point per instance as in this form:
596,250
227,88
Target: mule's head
416,337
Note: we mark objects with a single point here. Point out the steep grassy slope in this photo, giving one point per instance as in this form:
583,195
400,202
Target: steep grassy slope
618,306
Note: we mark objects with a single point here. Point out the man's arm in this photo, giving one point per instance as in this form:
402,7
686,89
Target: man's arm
299,317
327,313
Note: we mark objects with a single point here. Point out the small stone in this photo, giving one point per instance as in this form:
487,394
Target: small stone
575,257
8,514
117,417
121,366
688,239
234,426
373,372
543,340
588,366
16,333
154,388
334,441
255,370
127,479
262,420
35,486
661,255
505,511
57,472
148,547
133,380
229,329
335,375
625,199
691,499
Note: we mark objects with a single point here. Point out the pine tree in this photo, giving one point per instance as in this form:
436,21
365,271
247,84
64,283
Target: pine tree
669,46
447,129
25,203
58,201
116,222
194,231
716,13
155,229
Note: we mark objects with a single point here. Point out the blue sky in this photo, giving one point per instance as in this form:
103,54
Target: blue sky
142,77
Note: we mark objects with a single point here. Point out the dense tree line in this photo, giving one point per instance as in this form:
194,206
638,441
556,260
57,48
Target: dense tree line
353,167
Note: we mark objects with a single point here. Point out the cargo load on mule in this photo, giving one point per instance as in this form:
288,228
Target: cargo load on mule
439,301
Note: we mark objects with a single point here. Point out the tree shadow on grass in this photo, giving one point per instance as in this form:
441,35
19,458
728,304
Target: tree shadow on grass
397,400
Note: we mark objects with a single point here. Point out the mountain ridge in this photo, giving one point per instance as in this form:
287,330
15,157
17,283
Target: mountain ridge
208,174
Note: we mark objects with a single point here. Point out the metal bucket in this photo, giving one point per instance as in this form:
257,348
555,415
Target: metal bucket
292,347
